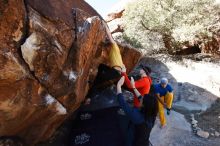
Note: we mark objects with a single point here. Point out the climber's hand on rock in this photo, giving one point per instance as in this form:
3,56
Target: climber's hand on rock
123,69
108,32
132,82
121,81
119,84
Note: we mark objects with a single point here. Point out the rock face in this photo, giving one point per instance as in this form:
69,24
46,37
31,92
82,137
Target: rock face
217,134
48,52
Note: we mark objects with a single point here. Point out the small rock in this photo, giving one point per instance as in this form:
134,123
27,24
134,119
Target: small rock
194,125
219,117
194,122
217,134
212,134
212,129
197,128
202,134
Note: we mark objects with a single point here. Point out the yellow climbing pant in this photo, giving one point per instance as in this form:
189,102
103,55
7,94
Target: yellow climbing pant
115,56
168,99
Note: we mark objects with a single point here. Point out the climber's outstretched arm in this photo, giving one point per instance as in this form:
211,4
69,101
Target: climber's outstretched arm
108,32
115,58
136,92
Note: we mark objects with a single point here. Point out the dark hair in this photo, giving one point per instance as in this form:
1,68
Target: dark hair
147,69
150,104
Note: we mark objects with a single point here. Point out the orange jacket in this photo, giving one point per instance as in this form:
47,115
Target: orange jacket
142,85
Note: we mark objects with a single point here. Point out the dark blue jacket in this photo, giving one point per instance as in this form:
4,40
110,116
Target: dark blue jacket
134,113
142,126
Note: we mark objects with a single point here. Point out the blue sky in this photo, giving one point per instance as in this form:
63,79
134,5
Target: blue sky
102,6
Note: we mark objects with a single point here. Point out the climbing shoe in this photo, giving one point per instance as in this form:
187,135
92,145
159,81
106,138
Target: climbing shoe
168,111
163,126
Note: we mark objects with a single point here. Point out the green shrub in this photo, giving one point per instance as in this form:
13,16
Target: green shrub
164,24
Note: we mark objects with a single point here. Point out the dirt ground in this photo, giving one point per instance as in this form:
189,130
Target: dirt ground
196,89
210,119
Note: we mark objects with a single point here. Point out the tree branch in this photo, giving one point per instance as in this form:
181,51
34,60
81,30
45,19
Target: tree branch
118,29
163,6
152,30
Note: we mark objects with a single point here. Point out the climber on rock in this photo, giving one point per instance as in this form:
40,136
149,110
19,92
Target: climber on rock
107,74
115,58
164,93
143,84
142,117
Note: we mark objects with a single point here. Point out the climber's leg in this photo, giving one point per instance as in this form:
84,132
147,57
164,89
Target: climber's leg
169,99
161,112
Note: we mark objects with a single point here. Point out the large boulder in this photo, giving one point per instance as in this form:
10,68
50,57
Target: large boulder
49,50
